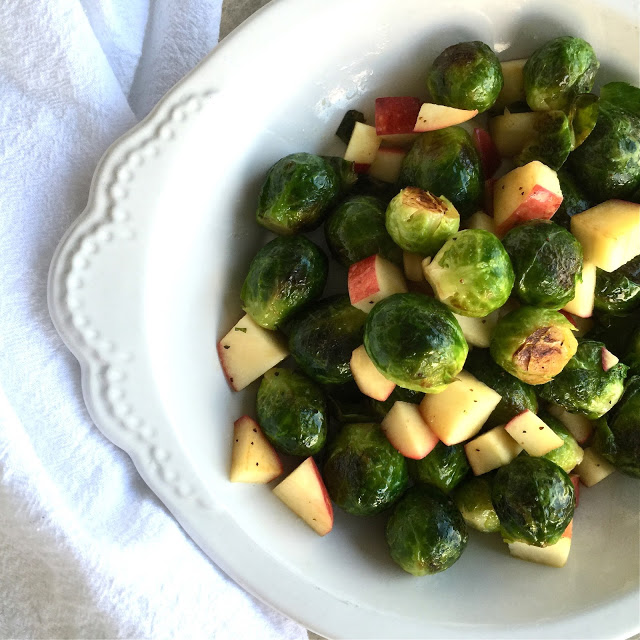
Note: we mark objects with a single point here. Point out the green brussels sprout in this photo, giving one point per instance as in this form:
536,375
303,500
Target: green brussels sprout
348,404
533,344
516,396
618,291
615,331
444,467
583,386
617,435
623,95
363,473
420,222
285,274
466,75
445,161
472,273
369,186
426,533
323,337
607,163
296,193
345,170
551,141
473,498
415,341
574,200
547,261
356,230
569,454
347,124
292,412
583,116
380,408
631,356
534,500
557,72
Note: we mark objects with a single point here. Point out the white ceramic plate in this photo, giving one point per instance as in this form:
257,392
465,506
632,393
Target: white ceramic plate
147,280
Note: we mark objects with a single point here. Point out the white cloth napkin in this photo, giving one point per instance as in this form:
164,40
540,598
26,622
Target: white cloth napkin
86,549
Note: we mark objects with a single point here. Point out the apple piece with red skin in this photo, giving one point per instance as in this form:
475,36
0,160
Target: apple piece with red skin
489,156
363,145
387,163
533,434
372,280
578,425
304,492
253,458
436,116
367,378
608,359
361,167
395,115
489,186
575,480
408,432
583,301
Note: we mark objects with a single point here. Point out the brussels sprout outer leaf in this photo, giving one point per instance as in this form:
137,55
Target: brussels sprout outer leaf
623,95
618,291
551,142
570,454
574,199
444,467
473,498
583,116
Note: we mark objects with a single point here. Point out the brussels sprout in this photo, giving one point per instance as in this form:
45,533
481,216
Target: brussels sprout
534,500
426,533
381,408
348,122
623,95
631,356
516,396
557,72
473,498
322,338
551,142
467,75
618,434
547,261
533,344
472,273
363,473
415,341
356,230
420,222
615,331
570,453
583,116
292,412
345,170
296,193
444,467
618,291
445,161
348,404
574,200
583,386
370,186
285,274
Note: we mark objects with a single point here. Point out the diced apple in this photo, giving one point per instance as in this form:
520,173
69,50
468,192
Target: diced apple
369,380
609,233
575,481
303,491
493,449
399,139
408,432
526,193
248,351
608,359
372,280
513,87
253,459
478,331
437,116
396,115
584,299
412,263
480,220
458,413
532,434
582,325
489,186
578,425
489,156
363,144
554,555
511,132
386,165
593,468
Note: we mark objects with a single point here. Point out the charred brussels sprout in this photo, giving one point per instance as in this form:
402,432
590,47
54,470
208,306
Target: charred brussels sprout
551,141
426,533
583,386
363,473
444,467
472,273
445,161
583,116
574,200
466,76
348,404
292,412
356,230
534,500
533,344
618,292
415,341
381,408
547,261
570,453
473,498
322,338
285,274
420,222
557,72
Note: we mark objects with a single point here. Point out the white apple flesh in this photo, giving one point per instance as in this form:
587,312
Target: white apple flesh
532,434
253,458
491,450
407,431
372,280
368,379
436,116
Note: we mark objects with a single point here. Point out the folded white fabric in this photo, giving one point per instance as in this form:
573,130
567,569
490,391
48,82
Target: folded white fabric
86,549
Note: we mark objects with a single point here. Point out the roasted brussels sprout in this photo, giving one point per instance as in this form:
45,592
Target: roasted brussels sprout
415,341
557,72
348,404
444,467
322,338
420,222
296,193
534,500
583,116
615,331
292,412
516,396
466,75
426,533
631,356
345,170
547,261
533,344
574,200
381,408
570,453
618,291
285,274
583,386
363,473
356,230
472,273
551,141
445,161
623,95
473,498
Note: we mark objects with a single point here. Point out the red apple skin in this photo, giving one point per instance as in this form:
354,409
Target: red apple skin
489,156
396,115
608,359
570,318
361,167
221,357
325,494
362,279
575,480
488,195
540,204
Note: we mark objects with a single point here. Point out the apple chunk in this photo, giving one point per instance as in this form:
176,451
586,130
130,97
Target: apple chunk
491,450
412,263
554,555
593,468
369,380
253,459
578,425
408,432
478,331
583,301
512,131
396,115
608,359
303,491
387,163
372,280
532,434
513,87
363,144
480,220
489,156
248,351
437,116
